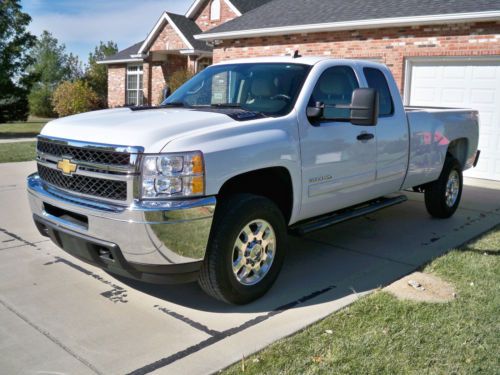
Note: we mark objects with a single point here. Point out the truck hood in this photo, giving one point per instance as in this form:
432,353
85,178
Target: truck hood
151,129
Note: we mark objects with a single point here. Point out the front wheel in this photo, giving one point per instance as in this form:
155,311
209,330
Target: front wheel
442,196
246,249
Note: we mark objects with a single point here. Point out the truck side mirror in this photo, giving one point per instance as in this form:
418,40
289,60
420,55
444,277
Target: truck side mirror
364,107
315,113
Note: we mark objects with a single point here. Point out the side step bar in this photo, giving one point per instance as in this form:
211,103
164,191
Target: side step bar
324,221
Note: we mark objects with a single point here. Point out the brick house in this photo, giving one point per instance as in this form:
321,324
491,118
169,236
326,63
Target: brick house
442,53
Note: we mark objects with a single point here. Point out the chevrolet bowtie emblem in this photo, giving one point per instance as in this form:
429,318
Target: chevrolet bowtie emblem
66,166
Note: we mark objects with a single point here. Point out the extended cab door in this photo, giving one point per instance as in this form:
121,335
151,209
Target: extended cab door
392,131
338,158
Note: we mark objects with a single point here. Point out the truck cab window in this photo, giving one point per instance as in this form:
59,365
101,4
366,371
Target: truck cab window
335,86
376,80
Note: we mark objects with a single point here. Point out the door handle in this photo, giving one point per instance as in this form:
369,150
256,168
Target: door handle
365,136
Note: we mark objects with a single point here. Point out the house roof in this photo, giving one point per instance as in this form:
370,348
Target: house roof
189,28
186,29
124,55
280,17
239,6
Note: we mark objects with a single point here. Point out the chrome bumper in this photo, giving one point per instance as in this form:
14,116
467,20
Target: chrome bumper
146,233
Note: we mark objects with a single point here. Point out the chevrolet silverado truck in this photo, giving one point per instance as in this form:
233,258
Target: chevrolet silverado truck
208,185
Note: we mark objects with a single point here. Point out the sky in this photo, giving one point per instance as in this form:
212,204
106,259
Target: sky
81,24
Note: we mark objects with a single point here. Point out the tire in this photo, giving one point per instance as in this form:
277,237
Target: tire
243,217
442,196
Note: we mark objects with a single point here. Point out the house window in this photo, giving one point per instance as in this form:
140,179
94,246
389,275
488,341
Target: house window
215,10
135,95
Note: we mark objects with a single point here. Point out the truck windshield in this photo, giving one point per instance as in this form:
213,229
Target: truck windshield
267,88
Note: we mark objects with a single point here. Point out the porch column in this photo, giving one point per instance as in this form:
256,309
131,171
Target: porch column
146,71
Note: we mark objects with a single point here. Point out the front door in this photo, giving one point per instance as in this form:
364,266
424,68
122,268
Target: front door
338,158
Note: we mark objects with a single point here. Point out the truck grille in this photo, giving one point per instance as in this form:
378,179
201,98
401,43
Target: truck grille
97,187
102,171
83,154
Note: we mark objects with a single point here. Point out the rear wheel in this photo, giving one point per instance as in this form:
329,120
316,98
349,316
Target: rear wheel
246,249
442,196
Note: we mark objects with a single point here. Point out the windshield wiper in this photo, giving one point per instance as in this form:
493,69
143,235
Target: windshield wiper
173,104
226,105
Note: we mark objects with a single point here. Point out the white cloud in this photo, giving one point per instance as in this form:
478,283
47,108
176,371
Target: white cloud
82,26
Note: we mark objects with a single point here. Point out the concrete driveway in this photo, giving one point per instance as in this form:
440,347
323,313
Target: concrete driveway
59,315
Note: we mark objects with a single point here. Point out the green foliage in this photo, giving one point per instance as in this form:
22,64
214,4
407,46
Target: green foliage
96,74
15,57
52,66
74,97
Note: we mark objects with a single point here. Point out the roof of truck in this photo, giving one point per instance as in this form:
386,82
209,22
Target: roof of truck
305,60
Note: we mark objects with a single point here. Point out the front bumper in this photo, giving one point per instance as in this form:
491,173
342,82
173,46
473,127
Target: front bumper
144,241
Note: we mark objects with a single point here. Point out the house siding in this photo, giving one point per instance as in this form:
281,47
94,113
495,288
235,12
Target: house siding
390,45
202,17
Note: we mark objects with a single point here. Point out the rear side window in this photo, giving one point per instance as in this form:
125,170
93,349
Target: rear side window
376,80
335,86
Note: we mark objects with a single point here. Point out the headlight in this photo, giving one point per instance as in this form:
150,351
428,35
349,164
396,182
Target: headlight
171,175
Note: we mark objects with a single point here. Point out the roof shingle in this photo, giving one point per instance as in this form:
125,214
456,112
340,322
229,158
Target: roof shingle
282,13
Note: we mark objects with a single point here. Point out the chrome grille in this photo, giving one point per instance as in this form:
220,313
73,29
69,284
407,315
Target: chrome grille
97,187
104,171
83,154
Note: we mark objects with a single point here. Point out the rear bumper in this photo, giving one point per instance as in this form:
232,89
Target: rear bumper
145,240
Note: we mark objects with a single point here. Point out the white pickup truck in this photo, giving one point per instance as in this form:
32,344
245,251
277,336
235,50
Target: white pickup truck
208,185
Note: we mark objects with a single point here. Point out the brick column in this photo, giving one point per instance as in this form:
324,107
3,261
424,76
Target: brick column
146,81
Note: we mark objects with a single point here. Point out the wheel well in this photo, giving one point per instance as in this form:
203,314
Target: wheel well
273,183
458,149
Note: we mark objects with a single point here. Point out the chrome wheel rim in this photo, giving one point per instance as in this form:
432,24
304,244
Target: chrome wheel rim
253,252
452,188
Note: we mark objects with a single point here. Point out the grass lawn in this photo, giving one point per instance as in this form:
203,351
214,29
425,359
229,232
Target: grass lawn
380,334
17,151
28,129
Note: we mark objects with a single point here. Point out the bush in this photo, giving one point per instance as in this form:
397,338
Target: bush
178,78
71,98
40,101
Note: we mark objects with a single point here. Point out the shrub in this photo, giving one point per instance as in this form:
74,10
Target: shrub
71,98
40,101
178,78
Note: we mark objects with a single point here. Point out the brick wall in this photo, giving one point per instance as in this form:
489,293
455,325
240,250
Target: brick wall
202,18
116,85
167,39
390,45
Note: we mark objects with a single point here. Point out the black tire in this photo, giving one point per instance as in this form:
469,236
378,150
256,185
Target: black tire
232,215
436,193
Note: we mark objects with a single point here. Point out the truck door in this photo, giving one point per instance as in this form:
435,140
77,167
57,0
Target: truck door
392,132
338,158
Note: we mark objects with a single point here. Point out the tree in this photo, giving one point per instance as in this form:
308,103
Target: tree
51,67
96,74
75,97
15,57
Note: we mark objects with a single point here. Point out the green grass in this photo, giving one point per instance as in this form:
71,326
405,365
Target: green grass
28,129
17,151
382,335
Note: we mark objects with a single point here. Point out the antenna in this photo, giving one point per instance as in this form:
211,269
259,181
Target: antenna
296,54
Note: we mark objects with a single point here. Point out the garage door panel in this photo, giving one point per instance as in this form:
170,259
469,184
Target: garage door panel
465,84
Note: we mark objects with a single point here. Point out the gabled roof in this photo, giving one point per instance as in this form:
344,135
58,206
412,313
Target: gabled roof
238,6
127,55
281,17
183,26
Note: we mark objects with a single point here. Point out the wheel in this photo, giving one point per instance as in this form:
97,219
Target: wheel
442,196
246,249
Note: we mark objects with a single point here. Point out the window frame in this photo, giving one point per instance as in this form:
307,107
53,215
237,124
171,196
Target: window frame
358,81
217,4
139,89
393,110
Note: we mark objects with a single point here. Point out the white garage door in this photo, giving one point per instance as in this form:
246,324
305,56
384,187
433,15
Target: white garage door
466,84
